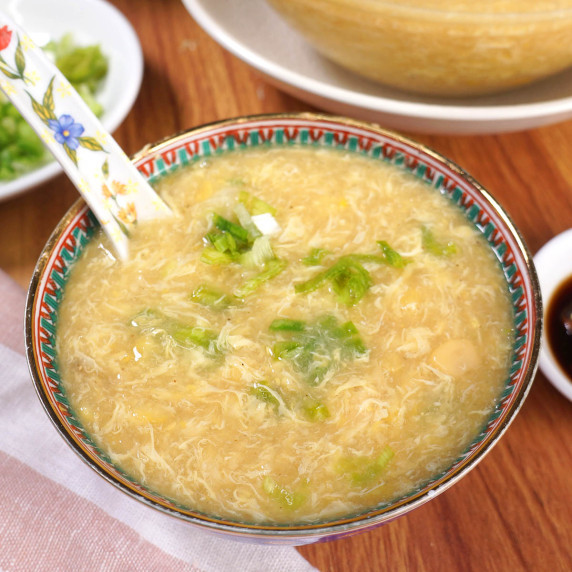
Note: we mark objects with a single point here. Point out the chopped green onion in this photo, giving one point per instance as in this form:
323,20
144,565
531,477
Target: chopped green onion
433,246
212,298
264,393
224,242
365,470
155,323
254,205
283,349
288,325
235,230
21,150
373,469
245,221
315,410
313,284
271,269
391,256
240,242
348,279
148,319
189,336
347,329
82,65
284,497
211,255
260,253
315,257
318,348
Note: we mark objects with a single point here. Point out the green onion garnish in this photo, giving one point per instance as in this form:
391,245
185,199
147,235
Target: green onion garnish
212,298
235,230
284,497
433,246
315,349
315,257
315,410
347,277
391,256
287,325
254,205
271,269
366,470
154,323
262,391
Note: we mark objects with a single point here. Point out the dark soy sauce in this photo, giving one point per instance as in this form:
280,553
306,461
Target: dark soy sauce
559,325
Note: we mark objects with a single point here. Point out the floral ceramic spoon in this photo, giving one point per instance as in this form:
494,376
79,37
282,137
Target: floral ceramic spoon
114,189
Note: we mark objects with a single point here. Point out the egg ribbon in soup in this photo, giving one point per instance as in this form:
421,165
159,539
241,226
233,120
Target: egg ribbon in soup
315,333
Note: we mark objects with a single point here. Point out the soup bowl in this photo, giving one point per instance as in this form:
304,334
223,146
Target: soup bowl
455,49
75,231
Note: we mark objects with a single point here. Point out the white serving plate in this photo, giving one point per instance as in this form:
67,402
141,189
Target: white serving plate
255,33
90,22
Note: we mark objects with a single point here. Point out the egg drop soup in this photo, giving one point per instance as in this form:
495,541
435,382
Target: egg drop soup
314,333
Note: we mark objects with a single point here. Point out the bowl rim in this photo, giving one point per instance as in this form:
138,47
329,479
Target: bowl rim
340,526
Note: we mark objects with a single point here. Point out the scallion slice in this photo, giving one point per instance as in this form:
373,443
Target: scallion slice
235,230
260,253
316,348
434,246
212,298
254,205
391,256
287,325
315,257
285,498
271,269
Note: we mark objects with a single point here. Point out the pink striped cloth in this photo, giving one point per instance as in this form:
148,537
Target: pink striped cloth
56,514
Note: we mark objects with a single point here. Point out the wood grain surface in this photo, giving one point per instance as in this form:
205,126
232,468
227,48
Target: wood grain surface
514,510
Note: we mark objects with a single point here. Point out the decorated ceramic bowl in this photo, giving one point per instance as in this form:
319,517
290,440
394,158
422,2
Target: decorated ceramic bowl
69,240
431,47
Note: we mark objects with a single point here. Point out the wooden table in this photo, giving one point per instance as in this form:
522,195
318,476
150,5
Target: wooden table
514,511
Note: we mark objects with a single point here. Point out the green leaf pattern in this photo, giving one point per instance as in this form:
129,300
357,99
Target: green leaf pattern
20,60
92,144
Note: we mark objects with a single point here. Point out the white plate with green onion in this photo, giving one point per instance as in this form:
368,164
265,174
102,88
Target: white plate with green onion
99,48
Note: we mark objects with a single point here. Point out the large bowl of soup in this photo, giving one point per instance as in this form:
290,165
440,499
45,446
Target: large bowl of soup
459,48
334,327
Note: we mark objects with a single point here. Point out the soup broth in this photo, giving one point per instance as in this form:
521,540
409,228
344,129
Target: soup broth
312,334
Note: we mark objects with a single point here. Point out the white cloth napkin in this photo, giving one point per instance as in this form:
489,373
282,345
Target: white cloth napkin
57,514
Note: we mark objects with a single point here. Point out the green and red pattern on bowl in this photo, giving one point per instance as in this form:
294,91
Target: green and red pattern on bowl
77,227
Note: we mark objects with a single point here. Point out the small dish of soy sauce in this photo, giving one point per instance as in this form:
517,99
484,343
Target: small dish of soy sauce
554,267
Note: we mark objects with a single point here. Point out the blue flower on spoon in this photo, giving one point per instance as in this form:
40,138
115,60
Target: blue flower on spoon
66,131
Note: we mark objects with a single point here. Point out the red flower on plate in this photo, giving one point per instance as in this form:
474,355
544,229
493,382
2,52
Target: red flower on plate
5,37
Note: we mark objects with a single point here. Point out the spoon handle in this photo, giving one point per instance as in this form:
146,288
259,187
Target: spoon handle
116,192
